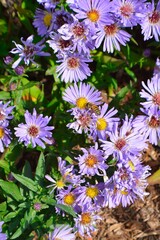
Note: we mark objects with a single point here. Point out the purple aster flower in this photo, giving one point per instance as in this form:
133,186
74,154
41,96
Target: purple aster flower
28,51
35,130
94,13
148,125
5,138
127,183
5,112
60,18
63,232
113,36
71,2
73,67
86,220
43,21
84,121
80,34
123,142
104,122
69,174
90,195
157,68
81,95
56,184
92,162
150,21
59,44
49,3
3,236
126,11
151,93
66,197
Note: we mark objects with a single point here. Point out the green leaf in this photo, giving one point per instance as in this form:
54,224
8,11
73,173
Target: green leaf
131,74
27,170
112,162
5,165
40,170
67,209
24,205
122,92
27,182
3,26
3,207
25,222
48,200
11,189
154,178
10,215
134,41
26,86
4,95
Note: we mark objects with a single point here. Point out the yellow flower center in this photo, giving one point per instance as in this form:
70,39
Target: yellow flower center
81,102
124,192
93,15
101,124
47,19
131,166
91,160
1,132
92,192
85,218
60,184
69,199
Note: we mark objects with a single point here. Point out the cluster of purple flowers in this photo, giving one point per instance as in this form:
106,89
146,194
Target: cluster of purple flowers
79,186
91,118
35,131
85,184
88,25
121,142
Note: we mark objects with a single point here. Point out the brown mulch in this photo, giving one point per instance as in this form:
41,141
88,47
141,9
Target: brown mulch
140,221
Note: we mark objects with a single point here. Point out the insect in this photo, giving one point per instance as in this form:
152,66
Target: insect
94,108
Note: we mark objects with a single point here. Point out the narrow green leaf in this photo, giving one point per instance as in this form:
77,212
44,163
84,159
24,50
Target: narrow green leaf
11,189
25,222
112,162
27,170
154,178
67,209
3,206
26,86
4,95
122,92
5,165
48,200
10,215
131,74
40,170
3,26
27,182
